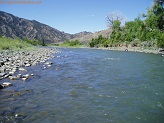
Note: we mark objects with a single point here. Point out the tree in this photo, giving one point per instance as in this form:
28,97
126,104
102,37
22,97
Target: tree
116,24
113,16
43,42
155,16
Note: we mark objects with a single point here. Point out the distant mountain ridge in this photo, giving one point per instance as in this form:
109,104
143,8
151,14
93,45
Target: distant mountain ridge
13,26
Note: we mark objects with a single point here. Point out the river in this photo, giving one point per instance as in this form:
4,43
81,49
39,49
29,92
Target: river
88,86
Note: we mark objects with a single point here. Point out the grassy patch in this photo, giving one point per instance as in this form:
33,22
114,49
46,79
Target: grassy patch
14,44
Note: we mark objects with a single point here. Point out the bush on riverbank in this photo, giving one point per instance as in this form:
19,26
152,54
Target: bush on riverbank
99,42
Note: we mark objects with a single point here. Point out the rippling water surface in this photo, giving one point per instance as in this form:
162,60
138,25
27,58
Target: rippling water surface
89,86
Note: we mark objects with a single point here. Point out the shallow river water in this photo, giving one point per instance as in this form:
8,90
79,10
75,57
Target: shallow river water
88,86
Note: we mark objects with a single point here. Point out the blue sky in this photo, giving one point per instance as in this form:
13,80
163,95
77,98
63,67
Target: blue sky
73,16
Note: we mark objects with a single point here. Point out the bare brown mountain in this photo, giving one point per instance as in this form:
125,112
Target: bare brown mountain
12,26
87,37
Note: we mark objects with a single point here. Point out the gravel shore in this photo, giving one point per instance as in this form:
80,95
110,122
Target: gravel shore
13,61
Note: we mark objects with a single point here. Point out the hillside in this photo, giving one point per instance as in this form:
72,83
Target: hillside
12,26
87,37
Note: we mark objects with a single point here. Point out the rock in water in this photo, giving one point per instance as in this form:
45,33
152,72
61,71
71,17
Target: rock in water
22,69
48,63
7,84
26,76
24,79
27,65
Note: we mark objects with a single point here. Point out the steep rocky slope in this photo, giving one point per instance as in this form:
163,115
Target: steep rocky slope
12,26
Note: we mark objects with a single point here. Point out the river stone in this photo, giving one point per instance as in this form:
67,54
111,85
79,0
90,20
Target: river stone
2,69
5,76
12,77
27,65
11,72
22,69
24,79
26,76
7,84
2,63
15,68
19,75
2,74
48,63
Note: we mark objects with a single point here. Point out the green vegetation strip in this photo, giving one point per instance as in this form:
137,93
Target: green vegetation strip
19,44
74,44
14,44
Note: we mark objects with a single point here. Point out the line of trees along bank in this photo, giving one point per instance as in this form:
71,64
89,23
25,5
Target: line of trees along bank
71,43
146,30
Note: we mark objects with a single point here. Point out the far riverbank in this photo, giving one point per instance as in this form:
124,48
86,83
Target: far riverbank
135,49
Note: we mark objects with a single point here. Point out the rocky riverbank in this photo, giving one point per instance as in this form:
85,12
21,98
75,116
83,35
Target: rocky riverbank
13,62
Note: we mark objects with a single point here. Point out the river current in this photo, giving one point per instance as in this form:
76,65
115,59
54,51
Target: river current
88,86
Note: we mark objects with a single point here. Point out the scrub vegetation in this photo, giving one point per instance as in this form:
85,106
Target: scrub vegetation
147,30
